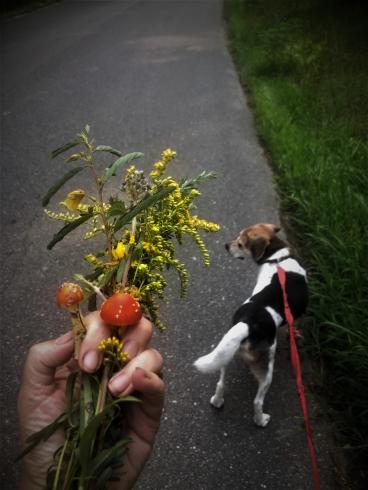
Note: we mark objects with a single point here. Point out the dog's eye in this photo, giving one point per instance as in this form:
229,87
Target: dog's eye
240,245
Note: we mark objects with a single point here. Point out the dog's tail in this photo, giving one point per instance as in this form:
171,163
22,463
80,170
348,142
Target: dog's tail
225,351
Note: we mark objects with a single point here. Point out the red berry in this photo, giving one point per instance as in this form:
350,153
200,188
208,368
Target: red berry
69,295
121,310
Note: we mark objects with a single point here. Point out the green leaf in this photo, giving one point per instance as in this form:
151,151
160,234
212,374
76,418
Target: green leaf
105,280
53,190
120,271
109,149
69,391
108,457
147,201
114,167
89,434
84,281
189,184
66,147
73,158
42,435
94,275
65,230
117,208
104,477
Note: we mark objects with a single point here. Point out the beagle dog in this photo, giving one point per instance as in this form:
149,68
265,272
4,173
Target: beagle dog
253,334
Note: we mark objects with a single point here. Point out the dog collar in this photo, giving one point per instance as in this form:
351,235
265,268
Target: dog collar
275,261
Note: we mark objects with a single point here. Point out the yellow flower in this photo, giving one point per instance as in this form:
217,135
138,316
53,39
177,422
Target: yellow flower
168,154
160,166
148,247
113,353
92,259
73,199
118,252
132,240
67,217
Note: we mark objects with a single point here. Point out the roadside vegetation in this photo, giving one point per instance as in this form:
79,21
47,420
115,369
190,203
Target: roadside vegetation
304,66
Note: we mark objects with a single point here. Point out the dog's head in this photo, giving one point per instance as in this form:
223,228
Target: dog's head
253,241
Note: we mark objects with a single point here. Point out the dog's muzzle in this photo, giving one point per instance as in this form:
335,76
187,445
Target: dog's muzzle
234,254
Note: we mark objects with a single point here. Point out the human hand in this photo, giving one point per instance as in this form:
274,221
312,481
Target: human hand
42,395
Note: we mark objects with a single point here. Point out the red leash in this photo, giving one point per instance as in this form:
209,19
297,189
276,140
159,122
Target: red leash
295,361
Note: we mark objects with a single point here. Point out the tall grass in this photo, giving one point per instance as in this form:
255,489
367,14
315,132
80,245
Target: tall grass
305,67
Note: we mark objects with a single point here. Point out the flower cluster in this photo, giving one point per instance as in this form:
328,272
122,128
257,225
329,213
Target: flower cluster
156,228
113,353
135,183
140,230
160,166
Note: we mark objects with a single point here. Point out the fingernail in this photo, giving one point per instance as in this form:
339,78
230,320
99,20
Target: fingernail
91,360
119,383
63,339
131,347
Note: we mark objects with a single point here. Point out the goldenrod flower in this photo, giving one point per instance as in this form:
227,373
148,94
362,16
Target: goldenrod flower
113,353
148,247
66,217
118,252
168,154
92,259
143,267
73,199
160,166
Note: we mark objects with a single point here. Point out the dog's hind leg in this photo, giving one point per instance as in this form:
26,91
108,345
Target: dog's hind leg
218,398
225,350
264,376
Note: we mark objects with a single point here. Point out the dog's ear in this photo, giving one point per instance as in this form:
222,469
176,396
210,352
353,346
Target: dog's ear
257,247
273,228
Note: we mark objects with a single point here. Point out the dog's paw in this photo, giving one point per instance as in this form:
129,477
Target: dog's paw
262,420
217,401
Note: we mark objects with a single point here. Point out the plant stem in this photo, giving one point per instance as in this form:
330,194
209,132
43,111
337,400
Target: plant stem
78,329
69,470
99,293
102,212
100,405
129,257
86,405
60,462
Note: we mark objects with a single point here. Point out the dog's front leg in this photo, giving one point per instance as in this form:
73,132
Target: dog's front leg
218,398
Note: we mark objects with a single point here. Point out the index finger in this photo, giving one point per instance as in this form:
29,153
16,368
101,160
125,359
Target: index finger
135,340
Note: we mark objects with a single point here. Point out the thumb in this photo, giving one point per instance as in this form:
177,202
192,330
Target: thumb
45,357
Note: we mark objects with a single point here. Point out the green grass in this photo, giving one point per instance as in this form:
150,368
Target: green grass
304,66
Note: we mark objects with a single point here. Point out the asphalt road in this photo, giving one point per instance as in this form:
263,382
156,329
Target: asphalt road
145,75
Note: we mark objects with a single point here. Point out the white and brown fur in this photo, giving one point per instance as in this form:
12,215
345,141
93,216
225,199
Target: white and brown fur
253,334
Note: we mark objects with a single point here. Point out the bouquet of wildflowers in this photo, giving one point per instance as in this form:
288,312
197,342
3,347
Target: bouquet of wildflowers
140,226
